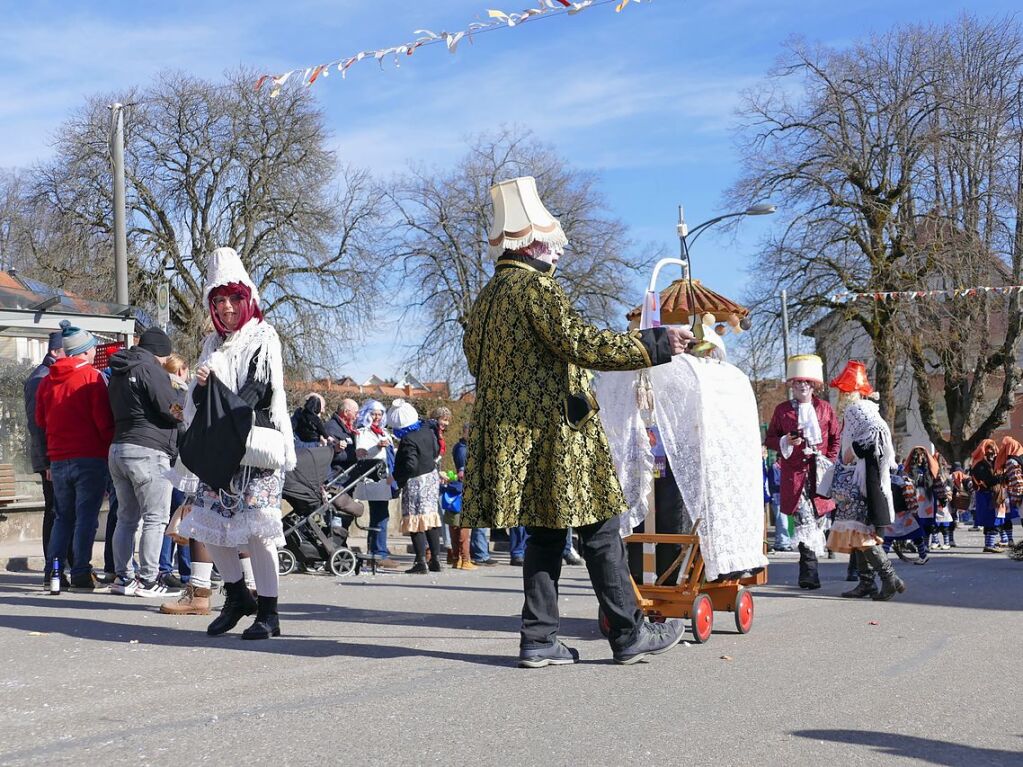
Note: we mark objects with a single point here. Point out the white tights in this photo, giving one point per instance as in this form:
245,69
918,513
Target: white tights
264,565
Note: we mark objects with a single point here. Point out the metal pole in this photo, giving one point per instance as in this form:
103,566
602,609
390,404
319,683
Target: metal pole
120,237
784,333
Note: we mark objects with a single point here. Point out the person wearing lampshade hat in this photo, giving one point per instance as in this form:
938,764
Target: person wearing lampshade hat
862,484
538,455
804,430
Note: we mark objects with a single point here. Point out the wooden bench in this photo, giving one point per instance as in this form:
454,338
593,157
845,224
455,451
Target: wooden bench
8,488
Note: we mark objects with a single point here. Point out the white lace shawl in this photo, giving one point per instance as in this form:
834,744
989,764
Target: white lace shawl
229,359
862,423
707,417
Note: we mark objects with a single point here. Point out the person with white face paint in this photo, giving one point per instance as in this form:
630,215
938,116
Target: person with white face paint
803,430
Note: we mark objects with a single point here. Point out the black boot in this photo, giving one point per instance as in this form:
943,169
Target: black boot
808,577
238,604
433,537
267,623
891,583
866,586
419,545
851,572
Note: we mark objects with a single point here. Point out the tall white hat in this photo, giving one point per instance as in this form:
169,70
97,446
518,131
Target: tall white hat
224,267
805,367
520,219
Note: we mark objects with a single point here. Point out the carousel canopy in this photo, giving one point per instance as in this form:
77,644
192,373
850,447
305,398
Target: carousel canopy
675,307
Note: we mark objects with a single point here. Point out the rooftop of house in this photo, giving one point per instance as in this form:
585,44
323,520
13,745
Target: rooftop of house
19,293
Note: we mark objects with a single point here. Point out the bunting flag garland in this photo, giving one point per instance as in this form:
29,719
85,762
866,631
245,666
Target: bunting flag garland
499,19
914,295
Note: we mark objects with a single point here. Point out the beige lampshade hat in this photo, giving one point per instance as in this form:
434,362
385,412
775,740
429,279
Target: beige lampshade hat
805,367
520,219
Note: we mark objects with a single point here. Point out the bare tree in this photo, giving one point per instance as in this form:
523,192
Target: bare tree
441,240
898,166
839,158
213,165
964,351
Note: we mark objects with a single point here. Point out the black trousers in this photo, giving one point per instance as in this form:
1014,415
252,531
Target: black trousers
49,515
670,516
807,566
108,536
602,547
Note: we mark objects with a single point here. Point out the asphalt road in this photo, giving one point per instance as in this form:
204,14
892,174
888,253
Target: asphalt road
405,670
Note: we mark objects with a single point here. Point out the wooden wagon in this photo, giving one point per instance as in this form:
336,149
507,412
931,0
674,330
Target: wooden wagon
693,596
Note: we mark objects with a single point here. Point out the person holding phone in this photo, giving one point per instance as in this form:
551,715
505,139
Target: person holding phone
802,429
373,442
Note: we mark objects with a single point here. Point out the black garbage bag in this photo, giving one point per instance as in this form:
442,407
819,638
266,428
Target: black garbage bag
214,444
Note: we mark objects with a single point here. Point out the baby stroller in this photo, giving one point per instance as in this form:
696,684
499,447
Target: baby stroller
316,530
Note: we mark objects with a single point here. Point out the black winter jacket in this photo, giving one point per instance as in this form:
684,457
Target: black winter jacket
141,398
37,437
417,454
346,456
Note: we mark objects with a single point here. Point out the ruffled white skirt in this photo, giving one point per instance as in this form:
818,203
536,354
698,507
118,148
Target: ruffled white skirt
223,519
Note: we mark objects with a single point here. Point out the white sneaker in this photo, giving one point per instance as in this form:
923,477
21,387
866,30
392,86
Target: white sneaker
124,587
156,590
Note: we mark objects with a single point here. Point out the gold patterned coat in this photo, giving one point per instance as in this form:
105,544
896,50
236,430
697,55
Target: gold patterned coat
528,350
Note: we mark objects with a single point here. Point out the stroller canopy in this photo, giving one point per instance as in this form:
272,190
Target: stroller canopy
304,483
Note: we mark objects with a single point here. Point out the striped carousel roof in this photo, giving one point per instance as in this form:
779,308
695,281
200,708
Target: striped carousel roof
675,307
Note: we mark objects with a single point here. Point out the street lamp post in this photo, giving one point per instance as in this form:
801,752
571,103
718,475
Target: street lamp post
688,237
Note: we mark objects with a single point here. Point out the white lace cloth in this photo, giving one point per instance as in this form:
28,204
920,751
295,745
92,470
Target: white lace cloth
707,416
633,458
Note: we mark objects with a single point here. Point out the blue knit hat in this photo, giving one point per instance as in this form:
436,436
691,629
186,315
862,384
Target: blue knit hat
75,340
56,341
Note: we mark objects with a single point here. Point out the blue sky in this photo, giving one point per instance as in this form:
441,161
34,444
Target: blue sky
646,98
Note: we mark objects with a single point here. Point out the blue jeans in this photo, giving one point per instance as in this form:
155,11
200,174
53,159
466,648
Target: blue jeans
517,537
167,551
568,542
184,557
376,540
78,488
479,546
781,524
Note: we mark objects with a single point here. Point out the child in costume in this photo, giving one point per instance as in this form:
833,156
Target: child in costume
906,529
988,495
932,495
1010,463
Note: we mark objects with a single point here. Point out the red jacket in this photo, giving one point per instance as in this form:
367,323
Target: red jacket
73,408
798,468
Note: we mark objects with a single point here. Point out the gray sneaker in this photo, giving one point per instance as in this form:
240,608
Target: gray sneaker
653,639
557,654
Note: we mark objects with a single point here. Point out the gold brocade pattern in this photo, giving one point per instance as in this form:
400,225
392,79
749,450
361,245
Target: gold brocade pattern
526,465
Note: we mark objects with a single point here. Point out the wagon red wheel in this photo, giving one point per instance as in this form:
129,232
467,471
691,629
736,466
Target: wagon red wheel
603,623
744,611
702,615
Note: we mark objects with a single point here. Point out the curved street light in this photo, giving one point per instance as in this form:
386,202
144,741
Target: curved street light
687,237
